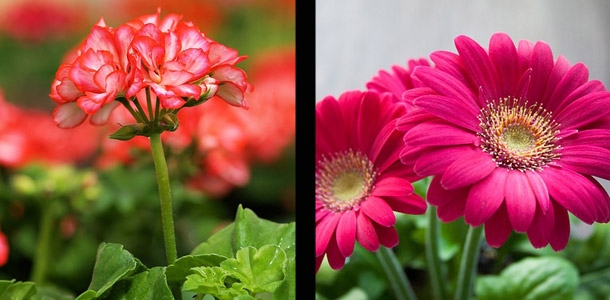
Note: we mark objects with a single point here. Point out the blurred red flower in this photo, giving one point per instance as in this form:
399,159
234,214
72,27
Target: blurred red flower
29,135
37,20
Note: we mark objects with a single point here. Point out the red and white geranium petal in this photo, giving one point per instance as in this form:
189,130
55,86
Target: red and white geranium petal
102,115
231,94
68,115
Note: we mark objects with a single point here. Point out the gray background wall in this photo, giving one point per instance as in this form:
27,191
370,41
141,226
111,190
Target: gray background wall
356,38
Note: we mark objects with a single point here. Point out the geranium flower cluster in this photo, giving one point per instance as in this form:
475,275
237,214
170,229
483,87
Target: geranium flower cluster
227,140
167,56
512,136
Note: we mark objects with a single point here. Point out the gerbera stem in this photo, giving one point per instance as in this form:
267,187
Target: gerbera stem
396,275
43,246
468,265
167,216
432,256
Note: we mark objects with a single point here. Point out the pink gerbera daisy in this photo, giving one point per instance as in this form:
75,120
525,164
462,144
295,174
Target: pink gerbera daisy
513,139
360,180
398,81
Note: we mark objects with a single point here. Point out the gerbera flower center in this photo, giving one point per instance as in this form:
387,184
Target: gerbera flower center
519,136
344,179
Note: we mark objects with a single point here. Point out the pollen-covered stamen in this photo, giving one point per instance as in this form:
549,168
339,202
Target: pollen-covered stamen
518,136
344,179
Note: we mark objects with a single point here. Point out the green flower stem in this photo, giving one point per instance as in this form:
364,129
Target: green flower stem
43,246
396,275
141,111
167,216
136,115
432,256
149,104
468,265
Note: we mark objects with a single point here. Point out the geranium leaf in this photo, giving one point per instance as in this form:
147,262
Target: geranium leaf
259,270
540,278
250,230
178,271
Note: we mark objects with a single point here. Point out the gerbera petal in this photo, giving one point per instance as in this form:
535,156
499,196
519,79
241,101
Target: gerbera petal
392,187
565,187
329,118
503,54
434,133
378,210
524,50
447,85
452,210
413,118
585,89
479,66
412,94
434,161
324,231
573,79
520,201
541,63
346,233
335,259
484,198
584,110
561,231
413,204
541,229
388,236
368,120
450,109
365,233
539,189
451,64
593,137
497,228
586,159
467,170
437,195
561,67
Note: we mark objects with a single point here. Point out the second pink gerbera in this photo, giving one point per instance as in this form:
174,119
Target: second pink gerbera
360,180
513,139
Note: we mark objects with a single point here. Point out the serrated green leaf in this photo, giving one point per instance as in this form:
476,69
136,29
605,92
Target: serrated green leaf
259,270
178,271
539,278
211,280
206,280
112,264
219,243
150,284
287,290
250,230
